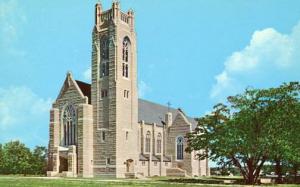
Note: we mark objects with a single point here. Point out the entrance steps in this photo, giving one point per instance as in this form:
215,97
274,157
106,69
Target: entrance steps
134,175
176,172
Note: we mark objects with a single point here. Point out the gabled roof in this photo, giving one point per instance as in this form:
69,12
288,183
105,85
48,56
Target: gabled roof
155,113
148,111
69,82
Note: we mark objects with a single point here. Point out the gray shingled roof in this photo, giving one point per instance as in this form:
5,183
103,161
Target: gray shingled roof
148,111
155,113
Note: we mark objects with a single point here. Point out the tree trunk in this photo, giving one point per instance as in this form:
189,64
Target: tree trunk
295,172
250,178
278,171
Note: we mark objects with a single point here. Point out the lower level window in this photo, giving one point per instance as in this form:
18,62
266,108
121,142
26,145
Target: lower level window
143,163
155,163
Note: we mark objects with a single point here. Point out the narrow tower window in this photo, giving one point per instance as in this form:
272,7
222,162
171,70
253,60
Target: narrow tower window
103,136
125,57
104,54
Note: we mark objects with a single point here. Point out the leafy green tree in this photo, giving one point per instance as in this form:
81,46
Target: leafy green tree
16,158
39,160
1,158
284,125
255,127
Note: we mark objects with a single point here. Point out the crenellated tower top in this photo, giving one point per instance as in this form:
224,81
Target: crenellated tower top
114,14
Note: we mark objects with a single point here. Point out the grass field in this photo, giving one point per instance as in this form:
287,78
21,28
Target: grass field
12,181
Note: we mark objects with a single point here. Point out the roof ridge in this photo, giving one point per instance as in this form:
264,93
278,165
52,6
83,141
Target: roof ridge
152,102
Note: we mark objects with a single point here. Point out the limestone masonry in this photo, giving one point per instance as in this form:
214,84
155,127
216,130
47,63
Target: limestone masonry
103,129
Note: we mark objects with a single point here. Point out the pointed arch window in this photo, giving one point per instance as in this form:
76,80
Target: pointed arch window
125,57
158,143
69,126
179,147
147,142
104,54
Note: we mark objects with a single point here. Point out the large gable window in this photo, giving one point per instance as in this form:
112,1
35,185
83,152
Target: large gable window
179,148
69,126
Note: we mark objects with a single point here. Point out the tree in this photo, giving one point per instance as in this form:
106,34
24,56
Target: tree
284,125
248,131
39,160
16,158
1,158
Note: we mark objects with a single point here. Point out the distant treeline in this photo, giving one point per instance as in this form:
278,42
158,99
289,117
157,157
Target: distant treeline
16,158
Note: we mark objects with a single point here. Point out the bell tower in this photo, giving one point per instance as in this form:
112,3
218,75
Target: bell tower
114,92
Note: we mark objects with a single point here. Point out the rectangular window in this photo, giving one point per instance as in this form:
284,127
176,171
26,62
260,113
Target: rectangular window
126,94
143,163
166,163
155,163
104,93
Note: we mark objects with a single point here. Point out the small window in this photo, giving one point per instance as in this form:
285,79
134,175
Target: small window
155,163
143,163
126,93
166,163
103,136
126,135
104,93
107,161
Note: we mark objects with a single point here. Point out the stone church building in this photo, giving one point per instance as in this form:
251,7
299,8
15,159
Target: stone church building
103,128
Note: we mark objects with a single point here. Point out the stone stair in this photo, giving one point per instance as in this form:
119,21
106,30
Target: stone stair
134,175
176,172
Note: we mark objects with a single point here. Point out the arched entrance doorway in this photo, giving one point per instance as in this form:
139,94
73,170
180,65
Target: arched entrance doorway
63,164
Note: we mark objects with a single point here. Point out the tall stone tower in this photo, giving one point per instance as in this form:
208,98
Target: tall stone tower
114,92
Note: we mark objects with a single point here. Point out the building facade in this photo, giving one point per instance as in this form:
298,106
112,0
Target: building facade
103,129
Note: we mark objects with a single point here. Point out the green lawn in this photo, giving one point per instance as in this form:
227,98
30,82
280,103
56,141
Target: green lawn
12,181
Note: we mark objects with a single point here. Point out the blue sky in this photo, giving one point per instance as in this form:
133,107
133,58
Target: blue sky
192,53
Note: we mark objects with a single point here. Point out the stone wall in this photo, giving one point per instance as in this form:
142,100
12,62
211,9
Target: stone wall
180,127
70,94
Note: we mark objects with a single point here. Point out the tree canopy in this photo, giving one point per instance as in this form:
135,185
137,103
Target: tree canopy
254,127
16,158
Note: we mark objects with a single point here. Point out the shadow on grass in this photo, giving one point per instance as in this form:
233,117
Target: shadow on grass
211,180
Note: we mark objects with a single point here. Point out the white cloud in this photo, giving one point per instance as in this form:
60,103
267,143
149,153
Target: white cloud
268,54
143,89
22,115
12,18
87,74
